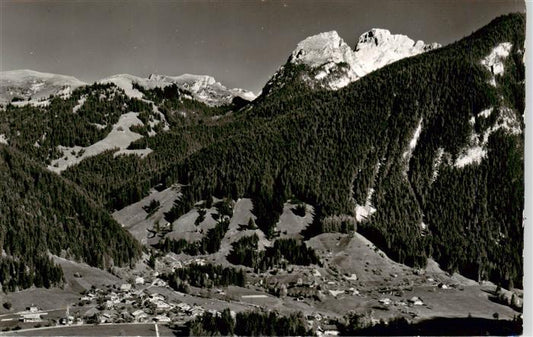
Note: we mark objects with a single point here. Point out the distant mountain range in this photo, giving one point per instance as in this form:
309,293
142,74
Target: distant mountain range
24,85
335,65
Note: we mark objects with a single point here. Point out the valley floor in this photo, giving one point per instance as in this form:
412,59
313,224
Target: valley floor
354,276
114,329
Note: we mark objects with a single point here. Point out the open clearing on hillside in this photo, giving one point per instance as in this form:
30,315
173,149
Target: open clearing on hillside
119,138
134,217
185,227
87,275
242,213
291,225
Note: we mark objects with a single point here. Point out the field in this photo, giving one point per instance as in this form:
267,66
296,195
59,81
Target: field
98,330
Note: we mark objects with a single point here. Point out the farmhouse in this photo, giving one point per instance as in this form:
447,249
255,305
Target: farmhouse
196,311
125,287
31,317
328,330
184,306
162,319
139,315
415,301
32,314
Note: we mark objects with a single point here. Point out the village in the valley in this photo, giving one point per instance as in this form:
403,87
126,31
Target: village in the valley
352,275
148,302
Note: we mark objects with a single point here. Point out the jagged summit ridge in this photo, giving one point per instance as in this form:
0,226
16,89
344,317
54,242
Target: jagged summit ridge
203,88
379,37
336,64
192,80
322,48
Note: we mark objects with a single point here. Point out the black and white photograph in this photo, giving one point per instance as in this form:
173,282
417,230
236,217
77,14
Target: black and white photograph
264,168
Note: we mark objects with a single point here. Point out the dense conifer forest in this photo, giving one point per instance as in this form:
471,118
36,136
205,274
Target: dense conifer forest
205,276
357,325
43,214
253,323
282,253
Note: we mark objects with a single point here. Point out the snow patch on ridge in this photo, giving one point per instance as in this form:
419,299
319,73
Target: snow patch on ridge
3,139
436,163
363,212
124,82
477,150
486,113
81,101
412,143
506,121
473,155
494,61
119,138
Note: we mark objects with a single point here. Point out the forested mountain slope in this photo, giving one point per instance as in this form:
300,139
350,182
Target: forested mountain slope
437,138
41,214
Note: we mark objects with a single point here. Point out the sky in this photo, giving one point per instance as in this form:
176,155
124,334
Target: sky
240,43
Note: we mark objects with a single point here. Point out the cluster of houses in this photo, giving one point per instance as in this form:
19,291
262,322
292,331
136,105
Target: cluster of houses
135,305
322,325
415,300
309,284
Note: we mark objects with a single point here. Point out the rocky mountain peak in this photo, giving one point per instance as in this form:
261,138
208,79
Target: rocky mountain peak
322,48
336,65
